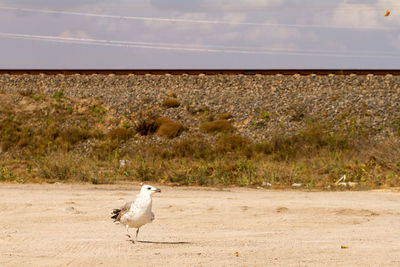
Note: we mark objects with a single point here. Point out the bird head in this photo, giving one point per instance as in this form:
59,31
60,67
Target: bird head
149,190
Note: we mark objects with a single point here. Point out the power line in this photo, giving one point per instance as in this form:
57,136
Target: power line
197,21
183,47
351,7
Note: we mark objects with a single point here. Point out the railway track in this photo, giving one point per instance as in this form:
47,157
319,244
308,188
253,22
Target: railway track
200,71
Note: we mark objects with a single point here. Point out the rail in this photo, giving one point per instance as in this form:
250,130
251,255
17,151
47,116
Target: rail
199,71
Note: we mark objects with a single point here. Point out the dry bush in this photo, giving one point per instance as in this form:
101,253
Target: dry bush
315,156
216,126
147,126
231,143
6,175
73,135
14,133
281,147
66,167
162,120
192,147
171,103
170,129
298,112
26,92
103,149
161,125
172,94
225,116
121,134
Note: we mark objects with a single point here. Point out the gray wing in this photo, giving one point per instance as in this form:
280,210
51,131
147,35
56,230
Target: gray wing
118,213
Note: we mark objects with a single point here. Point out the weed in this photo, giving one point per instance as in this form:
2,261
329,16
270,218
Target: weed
396,126
257,124
6,175
265,115
59,95
144,172
99,111
38,97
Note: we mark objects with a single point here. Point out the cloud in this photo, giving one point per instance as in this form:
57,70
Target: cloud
355,15
396,42
49,3
199,33
279,37
244,3
179,5
211,5
235,17
77,34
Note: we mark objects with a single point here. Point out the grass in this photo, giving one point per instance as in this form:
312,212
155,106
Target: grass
57,143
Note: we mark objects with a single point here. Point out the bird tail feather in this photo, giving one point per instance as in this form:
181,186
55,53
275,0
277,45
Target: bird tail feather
115,214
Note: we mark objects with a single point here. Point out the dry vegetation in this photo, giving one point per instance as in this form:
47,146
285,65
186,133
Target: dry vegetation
171,103
60,140
217,126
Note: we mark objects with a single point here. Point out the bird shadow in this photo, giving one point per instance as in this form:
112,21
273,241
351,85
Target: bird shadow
161,242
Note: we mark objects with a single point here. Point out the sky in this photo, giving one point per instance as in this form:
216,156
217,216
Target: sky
199,34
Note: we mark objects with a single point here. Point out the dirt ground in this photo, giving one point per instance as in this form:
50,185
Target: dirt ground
69,225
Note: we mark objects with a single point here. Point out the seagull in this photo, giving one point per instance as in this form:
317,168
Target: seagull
136,213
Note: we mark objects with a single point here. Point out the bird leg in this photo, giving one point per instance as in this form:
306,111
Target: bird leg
127,230
137,232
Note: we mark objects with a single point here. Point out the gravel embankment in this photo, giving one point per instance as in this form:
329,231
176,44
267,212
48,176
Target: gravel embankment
259,104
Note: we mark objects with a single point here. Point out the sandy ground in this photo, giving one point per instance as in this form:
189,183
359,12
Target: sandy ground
69,225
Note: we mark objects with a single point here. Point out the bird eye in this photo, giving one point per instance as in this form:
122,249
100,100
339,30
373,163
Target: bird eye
148,188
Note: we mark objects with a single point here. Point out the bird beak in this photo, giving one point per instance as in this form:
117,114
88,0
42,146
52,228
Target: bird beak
158,190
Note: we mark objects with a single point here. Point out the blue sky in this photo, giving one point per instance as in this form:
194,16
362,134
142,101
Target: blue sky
199,34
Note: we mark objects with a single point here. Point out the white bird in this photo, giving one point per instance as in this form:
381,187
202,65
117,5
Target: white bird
138,213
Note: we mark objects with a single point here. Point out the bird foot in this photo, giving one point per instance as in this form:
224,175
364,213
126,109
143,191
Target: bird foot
128,236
